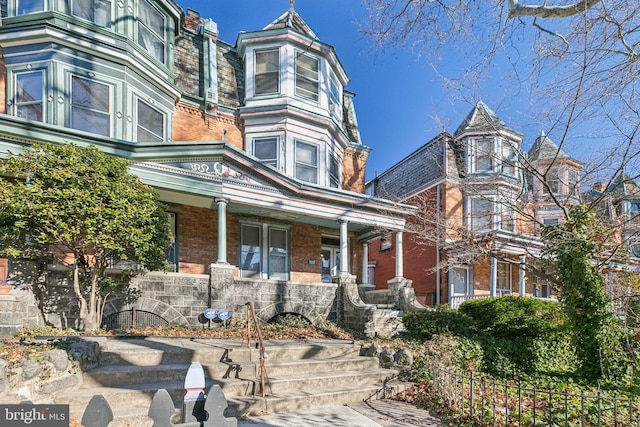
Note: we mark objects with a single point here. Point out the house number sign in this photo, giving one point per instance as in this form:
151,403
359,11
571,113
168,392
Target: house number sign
215,168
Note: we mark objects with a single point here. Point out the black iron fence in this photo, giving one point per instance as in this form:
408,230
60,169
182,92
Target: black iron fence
486,401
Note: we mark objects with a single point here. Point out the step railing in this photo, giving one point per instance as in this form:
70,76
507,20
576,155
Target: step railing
251,317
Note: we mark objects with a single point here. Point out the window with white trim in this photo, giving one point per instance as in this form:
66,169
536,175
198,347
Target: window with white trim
335,97
551,222
482,155
307,76
151,30
28,95
264,258
508,159
553,181
150,127
306,162
267,72
507,217
90,106
24,7
96,11
572,182
266,149
334,171
481,213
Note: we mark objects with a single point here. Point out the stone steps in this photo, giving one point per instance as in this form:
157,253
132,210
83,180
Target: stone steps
299,375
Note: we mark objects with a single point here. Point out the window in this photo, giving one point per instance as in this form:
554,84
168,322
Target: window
334,172
96,11
634,209
550,222
482,151
572,182
150,123
151,29
508,159
504,278
306,162
541,289
267,74
253,250
307,76
90,106
266,149
28,97
553,181
335,98
507,217
29,6
481,214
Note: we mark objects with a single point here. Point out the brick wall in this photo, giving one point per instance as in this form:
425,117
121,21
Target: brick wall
197,239
305,246
353,169
190,124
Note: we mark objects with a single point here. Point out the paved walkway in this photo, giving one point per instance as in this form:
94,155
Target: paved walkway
376,413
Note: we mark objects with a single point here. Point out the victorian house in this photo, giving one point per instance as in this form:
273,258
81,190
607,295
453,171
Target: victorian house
482,209
253,146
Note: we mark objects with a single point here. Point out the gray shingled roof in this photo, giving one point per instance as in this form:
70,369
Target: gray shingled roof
481,117
545,149
291,19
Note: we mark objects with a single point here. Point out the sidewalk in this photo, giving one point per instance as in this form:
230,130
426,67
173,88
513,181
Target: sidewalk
376,413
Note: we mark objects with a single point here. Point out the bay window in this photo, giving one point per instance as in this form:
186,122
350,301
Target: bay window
306,76
267,72
90,106
150,123
266,149
481,213
507,217
151,29
482,155
25,7
306,162
334,172
264,258
96,11
28,95
552,179
335,97
508,159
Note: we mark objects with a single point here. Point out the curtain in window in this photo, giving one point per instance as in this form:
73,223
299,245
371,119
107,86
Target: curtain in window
151,30
307,76
96,11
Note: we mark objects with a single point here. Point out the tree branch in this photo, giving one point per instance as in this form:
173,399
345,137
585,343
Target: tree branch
545,11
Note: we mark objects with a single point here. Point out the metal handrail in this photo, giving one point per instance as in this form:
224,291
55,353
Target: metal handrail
253,317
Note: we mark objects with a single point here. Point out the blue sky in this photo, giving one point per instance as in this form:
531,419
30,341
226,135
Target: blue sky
400,100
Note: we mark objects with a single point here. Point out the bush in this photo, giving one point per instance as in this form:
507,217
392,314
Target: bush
424,324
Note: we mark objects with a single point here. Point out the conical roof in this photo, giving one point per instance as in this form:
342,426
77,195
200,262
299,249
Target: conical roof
291,19
545,149
481,117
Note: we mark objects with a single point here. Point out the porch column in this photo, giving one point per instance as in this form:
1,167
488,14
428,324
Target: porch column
222,231
521,275
399,252
344,248
493,277
365,263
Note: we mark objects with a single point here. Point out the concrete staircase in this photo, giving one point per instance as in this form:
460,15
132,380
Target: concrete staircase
299,375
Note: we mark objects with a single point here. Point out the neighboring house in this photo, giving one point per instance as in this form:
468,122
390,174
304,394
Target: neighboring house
253,146
477,233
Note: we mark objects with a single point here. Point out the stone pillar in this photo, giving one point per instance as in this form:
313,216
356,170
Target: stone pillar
399,258
222,231
521,275
344,248
365,264
493,276
223,291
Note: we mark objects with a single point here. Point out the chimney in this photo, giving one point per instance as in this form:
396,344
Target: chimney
600,187
192,20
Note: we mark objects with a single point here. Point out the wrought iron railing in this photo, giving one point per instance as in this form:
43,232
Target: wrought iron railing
251,317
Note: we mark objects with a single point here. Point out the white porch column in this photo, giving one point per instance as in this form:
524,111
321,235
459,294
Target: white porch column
365,263
399,252
493,277
344,248
222,231
522,288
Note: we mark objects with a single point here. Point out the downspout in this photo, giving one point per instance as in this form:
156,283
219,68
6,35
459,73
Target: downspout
438,284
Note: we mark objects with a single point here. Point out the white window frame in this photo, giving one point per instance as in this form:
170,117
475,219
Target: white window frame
335,178
474,215
34,6
139,127
509,159
267,74
479,155
145,29
265,251
275,161
335,97
507,217
97,11
90,109
17,104
504,278
302,79
298,163
553,181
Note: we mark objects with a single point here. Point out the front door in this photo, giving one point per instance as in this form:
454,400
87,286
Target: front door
330,262
460,282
